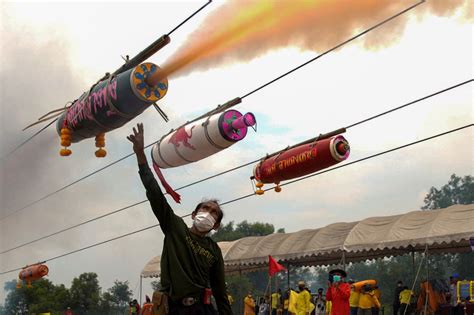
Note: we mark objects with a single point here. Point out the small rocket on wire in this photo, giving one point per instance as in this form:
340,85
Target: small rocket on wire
31,273
301,159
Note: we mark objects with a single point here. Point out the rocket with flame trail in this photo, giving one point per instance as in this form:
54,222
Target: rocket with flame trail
113,101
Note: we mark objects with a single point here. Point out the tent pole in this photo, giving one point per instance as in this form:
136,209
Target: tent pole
288,275
140,289
413,264
427,278
270,291
344,260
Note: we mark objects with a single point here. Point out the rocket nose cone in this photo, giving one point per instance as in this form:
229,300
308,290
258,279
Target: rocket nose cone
249,119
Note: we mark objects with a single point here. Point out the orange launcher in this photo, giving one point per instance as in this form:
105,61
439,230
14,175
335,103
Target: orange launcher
31,273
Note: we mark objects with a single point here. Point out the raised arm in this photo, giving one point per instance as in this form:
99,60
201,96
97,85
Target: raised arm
159,205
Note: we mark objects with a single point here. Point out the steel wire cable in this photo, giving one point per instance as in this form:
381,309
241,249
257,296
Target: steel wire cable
253,194
229,170
248,94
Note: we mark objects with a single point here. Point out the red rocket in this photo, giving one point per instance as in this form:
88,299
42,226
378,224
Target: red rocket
31,273
300,160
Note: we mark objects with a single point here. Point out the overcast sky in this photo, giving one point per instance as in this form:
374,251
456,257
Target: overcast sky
52,52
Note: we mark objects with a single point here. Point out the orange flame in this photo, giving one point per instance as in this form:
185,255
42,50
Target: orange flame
244,29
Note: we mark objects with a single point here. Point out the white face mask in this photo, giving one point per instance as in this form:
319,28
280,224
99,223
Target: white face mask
204,221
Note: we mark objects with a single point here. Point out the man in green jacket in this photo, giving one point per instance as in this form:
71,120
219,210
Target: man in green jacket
191,262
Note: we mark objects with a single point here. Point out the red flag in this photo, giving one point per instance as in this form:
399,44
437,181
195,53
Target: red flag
274,267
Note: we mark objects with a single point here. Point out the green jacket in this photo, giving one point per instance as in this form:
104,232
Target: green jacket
189,263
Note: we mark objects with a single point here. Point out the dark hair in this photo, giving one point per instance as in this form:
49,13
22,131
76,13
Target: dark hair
220,214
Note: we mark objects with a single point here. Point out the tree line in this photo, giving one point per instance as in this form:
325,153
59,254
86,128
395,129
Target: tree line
83,297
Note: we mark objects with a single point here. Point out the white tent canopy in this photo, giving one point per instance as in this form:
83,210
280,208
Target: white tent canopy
152,268
444,230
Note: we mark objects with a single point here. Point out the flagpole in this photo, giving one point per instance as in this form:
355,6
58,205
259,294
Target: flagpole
270,293
268,284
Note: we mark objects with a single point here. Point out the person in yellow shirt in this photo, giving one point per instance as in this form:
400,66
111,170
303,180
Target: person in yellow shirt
249,305
286,302
367,300
328,307
229,296
354,299
303,301
276,301
405,297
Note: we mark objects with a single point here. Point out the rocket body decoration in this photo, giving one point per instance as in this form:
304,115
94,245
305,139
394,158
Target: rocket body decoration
111,103
198,140
301,160
31,273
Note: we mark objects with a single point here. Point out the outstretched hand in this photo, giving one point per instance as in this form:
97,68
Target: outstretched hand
137,139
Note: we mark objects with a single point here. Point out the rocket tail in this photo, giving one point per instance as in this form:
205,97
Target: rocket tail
176,197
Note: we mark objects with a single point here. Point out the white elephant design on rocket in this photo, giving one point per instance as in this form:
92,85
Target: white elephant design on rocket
197,140
201,138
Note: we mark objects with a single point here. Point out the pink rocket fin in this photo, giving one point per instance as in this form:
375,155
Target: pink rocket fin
169,190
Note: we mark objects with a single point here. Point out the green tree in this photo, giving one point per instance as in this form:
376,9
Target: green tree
238,287
15,301
457,191
41,297
115,299
85,292
120,293
227,232
106,304
156,285
463,265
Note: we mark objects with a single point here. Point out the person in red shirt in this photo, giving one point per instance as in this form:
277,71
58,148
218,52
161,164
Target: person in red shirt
68,311
147,308
338,292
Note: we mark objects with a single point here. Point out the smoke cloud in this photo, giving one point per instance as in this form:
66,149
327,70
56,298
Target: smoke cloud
243,30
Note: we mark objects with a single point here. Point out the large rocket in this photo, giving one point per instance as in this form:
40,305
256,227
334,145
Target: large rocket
113,101
199,139
110,104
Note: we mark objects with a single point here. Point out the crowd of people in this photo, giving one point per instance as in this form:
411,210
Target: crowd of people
135,309
302,302
343,297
